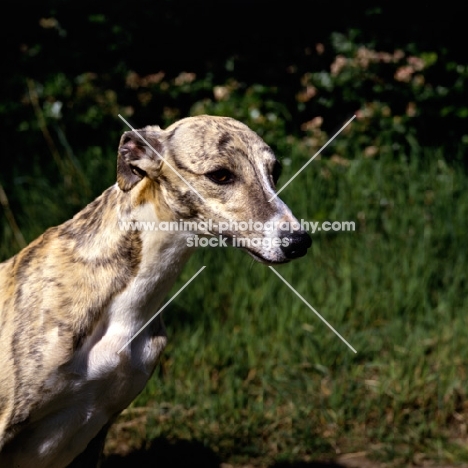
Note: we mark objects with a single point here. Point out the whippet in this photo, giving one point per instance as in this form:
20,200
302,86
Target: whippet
72,299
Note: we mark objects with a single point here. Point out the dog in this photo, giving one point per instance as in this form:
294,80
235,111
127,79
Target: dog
71,301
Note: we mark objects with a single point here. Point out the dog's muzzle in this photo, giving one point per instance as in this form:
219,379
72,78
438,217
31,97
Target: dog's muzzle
298,244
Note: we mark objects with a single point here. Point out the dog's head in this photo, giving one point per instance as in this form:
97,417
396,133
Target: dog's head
217,173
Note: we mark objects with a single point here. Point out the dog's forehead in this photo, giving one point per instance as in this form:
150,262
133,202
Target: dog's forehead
204,136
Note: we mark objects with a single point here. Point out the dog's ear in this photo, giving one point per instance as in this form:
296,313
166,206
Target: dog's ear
139,156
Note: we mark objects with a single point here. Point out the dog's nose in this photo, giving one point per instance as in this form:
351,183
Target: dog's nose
295,244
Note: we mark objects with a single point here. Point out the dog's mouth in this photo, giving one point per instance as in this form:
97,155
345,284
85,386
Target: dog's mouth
279,250
234,242
265,261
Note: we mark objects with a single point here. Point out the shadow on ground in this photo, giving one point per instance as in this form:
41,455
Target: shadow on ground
307,465
165,454
184,453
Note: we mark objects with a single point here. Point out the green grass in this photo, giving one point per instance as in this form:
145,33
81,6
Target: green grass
252,374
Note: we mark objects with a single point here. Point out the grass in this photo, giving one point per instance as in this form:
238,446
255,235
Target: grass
251,375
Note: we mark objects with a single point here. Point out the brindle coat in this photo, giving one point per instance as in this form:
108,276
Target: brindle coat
76,295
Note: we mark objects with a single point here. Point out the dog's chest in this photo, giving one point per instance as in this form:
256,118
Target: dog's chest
124,347
114,362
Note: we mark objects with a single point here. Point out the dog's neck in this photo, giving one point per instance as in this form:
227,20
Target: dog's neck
142,262
163,254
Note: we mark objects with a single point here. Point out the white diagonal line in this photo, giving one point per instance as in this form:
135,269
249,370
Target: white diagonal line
162,308
311,308
165,160
312,158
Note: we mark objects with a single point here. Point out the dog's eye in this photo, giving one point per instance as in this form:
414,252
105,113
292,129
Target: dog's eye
221,176
277,169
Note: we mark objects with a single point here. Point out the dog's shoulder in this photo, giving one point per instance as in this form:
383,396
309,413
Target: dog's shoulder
52,294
